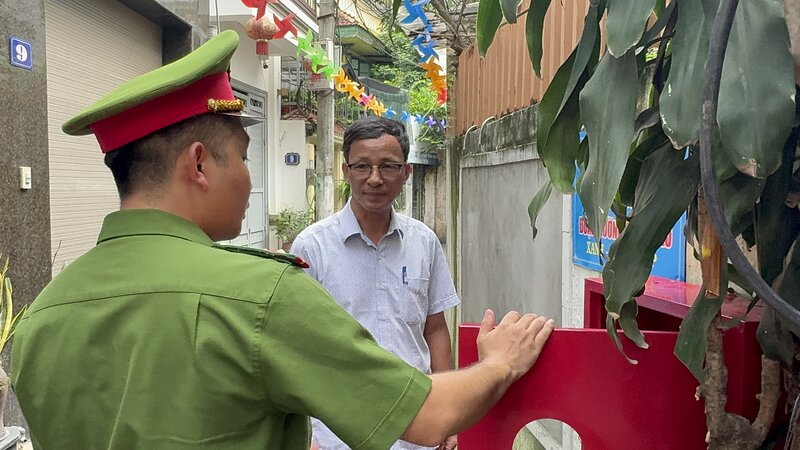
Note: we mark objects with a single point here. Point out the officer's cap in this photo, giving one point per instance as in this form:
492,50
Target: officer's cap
196,84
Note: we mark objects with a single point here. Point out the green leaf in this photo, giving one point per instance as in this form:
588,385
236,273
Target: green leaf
489,18
395,8
583,157
612,331
550,105
692,341
537,203
625,23
739,195
667,184
558,119
627,186
509,8
608,109
586,52
663,18
775,340
660,6
534,28
561,148
681,100
737,279
774,334
627,321
787,285
756,108
776,225
646,119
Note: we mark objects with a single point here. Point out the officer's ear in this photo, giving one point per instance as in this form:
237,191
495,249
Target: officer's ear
193,164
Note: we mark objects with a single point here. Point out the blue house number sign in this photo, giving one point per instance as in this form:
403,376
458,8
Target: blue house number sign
292,159
20,53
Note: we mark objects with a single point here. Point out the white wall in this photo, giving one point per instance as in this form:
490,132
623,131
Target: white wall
236,11
290,181
245,65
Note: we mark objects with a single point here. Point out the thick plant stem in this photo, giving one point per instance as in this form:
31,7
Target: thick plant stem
725,430
711,254
715,384
768,398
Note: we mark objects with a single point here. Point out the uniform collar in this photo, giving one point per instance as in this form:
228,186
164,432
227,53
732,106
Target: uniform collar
350,227
138,222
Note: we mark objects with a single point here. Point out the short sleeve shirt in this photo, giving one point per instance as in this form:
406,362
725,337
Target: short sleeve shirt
157,339
390,287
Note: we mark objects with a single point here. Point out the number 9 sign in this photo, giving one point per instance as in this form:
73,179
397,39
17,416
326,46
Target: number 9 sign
20,54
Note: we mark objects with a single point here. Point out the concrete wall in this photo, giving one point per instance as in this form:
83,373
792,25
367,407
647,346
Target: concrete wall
24,214
500,266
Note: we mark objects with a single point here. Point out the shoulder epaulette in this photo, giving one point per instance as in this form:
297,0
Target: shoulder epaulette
287,258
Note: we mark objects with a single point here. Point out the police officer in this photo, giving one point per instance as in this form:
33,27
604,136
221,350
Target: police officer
158,338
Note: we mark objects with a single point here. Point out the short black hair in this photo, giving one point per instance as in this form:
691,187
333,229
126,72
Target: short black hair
373,127
145,164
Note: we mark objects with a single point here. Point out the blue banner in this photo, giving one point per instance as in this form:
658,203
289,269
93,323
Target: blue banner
670,259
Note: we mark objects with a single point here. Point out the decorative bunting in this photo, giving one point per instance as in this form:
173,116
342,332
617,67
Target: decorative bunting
423,42
415,11
320,64
304,44
285,26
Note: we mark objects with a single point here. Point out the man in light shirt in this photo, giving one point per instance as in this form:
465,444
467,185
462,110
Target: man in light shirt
386,269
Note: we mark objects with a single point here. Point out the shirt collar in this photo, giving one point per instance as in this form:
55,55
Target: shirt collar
138,222
349,224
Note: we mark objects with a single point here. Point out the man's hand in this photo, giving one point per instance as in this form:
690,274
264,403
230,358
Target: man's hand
515,343
449,444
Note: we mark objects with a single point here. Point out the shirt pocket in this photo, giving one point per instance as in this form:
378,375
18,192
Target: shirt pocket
413,306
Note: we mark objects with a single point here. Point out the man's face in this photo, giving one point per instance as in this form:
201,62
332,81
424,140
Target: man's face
231,189
375,189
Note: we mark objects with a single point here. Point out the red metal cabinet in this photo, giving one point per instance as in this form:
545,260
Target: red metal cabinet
582,380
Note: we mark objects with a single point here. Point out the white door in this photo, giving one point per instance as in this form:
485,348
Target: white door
255,223
92,47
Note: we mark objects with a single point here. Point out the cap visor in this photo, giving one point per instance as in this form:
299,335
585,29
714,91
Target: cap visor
247,119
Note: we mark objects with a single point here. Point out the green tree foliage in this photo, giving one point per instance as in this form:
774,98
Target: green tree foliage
638,94
404,72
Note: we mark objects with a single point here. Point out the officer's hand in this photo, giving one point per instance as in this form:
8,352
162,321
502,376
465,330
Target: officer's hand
515,343
449,444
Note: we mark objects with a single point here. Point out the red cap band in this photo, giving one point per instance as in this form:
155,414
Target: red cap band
137,122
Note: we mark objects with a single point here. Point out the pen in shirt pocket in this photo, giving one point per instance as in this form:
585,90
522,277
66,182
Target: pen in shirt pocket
405,275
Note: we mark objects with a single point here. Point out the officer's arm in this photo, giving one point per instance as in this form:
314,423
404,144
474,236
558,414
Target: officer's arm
460,398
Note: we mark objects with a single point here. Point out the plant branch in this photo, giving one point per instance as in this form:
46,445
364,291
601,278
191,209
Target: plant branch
711,255
444,14
715,384
768,398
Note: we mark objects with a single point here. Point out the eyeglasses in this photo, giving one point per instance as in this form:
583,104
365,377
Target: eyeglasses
387,170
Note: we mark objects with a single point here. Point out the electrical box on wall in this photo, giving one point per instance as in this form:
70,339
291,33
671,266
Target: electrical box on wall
25,178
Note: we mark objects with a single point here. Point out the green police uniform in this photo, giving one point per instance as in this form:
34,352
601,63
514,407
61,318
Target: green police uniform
157,338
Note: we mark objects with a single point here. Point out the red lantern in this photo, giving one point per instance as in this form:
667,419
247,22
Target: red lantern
262,30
